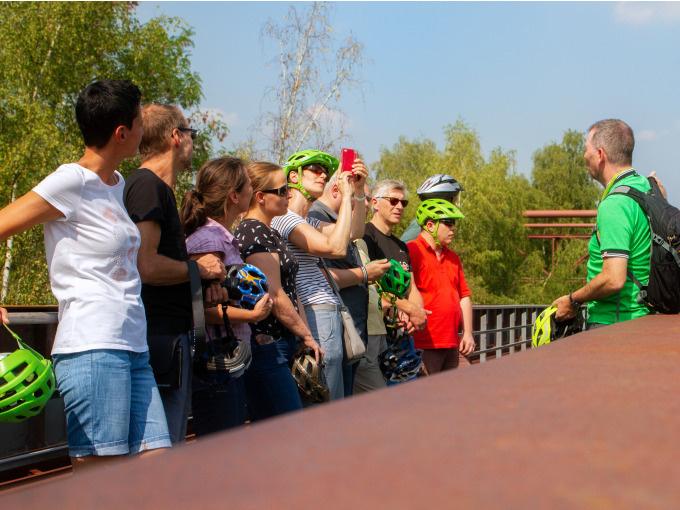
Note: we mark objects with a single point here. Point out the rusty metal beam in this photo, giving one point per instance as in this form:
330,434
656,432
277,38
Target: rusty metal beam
559,236
592,421
559,225
556,213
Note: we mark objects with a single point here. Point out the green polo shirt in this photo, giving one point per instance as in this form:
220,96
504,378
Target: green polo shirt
622,231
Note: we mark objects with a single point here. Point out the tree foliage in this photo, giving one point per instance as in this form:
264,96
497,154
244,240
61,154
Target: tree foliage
315,69
501,263
48,53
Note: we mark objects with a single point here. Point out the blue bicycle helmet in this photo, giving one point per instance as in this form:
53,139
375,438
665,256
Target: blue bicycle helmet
245,284
401,361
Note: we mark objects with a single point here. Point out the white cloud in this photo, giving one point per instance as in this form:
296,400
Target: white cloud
646,13
647,135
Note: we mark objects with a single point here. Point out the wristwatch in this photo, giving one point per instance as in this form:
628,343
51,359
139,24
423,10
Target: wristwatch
574,304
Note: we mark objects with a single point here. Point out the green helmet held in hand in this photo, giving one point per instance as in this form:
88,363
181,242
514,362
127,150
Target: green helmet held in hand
307,157
396,280
26,383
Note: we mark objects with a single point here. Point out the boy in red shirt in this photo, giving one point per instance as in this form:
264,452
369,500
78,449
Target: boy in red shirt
438,275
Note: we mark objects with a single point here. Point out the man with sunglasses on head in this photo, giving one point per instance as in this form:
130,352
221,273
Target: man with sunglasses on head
438,275
166,150
388,203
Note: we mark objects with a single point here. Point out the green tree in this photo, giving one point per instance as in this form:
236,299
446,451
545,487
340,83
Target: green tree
48,52
561,174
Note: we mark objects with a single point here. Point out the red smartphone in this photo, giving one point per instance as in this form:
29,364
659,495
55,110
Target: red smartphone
347,157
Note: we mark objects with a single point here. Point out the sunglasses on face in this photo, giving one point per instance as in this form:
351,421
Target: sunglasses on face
394,201
192,131
449,222
281,192
316,169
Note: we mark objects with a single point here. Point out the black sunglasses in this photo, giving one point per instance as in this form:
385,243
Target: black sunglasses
194,132
281,192
449,222
394,201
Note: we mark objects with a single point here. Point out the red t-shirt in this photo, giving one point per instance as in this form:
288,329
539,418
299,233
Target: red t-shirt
442,284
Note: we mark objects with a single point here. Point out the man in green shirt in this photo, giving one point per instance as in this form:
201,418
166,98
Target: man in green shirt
621,241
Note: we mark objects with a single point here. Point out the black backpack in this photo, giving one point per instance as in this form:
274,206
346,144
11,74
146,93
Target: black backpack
662,293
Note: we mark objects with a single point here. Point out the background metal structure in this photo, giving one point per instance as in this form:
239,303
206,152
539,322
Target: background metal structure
588,422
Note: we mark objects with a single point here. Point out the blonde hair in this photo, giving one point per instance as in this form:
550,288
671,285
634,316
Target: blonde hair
261,175
159,120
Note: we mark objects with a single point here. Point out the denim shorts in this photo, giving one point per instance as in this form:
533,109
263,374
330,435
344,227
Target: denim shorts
111,402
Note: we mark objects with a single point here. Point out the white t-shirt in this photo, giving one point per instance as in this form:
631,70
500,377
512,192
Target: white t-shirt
310,282
92,261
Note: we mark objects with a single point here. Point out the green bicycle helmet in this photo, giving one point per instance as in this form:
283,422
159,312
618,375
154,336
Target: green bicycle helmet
437,209
309,157
396,280
26,383
547,329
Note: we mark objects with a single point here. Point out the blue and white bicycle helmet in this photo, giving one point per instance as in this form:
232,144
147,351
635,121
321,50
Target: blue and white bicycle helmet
245,284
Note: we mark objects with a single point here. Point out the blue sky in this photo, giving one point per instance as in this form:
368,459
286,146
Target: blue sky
519,74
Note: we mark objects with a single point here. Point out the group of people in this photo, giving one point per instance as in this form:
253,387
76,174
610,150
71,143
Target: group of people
121,256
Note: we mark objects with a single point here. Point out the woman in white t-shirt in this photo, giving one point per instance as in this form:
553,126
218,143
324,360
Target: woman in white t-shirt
100,353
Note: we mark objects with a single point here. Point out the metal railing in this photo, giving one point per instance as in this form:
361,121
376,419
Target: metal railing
498,330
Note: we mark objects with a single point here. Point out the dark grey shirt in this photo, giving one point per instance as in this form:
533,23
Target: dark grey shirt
356,296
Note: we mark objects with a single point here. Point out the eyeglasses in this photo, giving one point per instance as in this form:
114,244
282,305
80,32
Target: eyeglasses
449,222
194,132
316,169
394,201
281,192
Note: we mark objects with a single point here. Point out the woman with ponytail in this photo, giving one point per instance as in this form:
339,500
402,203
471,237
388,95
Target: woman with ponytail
222,193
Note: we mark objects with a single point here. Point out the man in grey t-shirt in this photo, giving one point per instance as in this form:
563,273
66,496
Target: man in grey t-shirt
349,273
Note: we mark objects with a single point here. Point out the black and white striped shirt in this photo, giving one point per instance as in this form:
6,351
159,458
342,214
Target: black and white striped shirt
311,284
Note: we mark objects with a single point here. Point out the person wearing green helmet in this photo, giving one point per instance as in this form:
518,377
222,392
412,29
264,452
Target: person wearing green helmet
438,275
307,174
436,186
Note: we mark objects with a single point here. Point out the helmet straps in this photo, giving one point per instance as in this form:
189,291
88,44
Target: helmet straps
302,190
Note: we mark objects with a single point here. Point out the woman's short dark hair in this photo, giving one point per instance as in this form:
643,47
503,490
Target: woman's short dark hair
103,106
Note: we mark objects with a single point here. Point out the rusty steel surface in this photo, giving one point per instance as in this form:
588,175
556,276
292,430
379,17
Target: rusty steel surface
592,421
556,213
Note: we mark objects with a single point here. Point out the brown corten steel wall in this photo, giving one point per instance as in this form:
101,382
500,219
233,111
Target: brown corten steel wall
592,421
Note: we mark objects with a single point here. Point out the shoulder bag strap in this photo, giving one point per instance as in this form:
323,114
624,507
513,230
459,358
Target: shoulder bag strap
196,301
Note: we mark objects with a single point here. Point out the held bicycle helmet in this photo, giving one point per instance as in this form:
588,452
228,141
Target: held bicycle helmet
547,329
307,157
439,185
245,284
26,383
401,361
310,379
396,280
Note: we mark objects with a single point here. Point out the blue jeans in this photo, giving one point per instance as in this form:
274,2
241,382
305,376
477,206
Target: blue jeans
111,402
327,328
218,403
270,387
177,401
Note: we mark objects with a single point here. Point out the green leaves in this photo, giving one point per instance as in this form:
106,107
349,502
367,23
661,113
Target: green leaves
48,52
501,263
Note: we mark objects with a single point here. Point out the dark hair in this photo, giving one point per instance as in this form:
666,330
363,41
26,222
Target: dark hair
616,138
103,106
215,180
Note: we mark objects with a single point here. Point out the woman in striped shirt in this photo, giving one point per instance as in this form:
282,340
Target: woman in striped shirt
307,173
